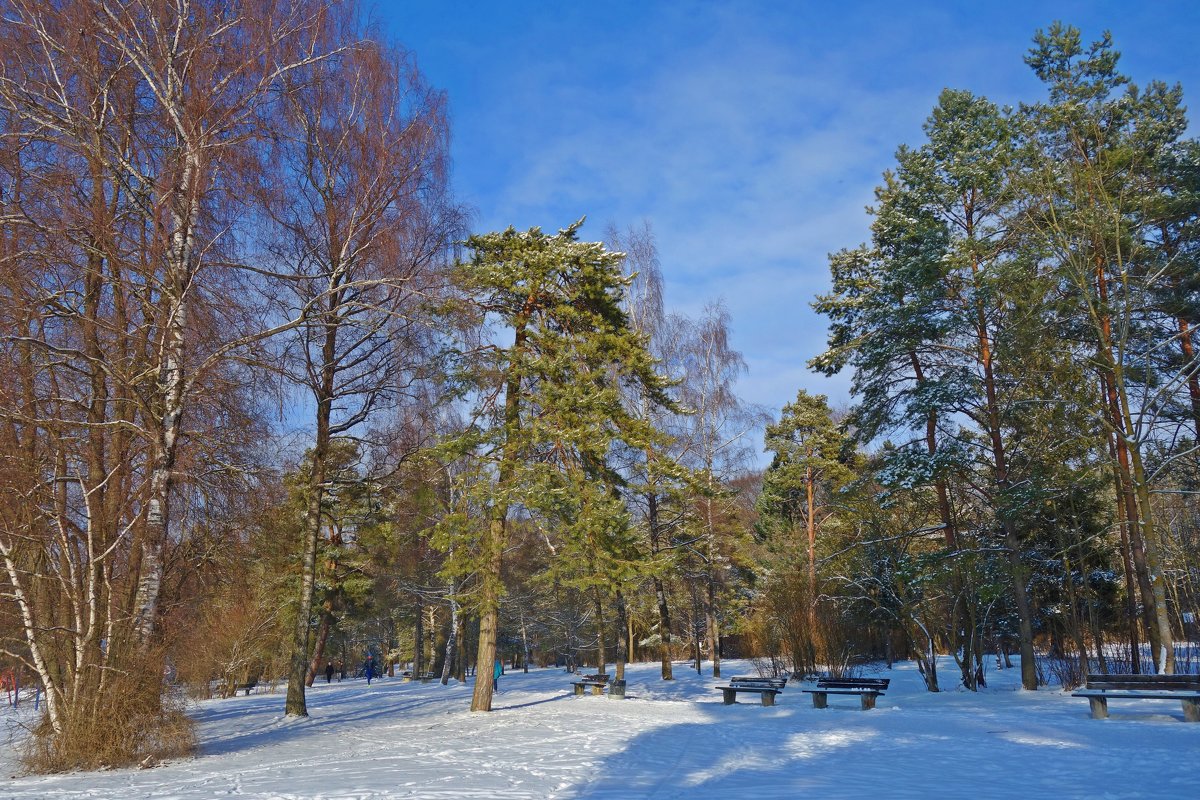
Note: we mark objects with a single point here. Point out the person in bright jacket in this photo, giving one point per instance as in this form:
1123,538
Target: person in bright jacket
369,669
497,671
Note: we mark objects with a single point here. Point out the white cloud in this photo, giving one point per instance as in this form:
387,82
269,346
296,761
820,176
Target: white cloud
749,135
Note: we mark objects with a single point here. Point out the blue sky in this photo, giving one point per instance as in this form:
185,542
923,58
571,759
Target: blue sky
749,134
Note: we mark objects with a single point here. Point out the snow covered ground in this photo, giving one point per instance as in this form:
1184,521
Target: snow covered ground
673,740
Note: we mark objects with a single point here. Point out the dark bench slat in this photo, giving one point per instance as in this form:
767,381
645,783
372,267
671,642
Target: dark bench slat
854,683
767,683
1133,694
1168,682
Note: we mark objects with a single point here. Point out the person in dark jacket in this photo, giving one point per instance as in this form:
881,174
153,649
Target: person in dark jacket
369,669
329,672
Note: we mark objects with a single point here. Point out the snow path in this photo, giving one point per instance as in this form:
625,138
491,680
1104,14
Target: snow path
667,740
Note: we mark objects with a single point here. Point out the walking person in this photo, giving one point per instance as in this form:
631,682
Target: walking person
329,672
497,671
369,669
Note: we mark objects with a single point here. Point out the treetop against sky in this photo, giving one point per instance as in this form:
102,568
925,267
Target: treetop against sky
749,134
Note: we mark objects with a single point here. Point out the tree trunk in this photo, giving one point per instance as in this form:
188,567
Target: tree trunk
430,642
314,666
419,640
489,613
451,637
1193,381
660,590
172,388
629,637
962,592
490,575
1128,511
1131,616
1165,658
524,645
1000,463
1074,621
710,600
714,633
1141,534
927,658
964,626
295,705
601,655
623,638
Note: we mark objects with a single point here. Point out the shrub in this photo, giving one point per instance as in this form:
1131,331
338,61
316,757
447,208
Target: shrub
131,720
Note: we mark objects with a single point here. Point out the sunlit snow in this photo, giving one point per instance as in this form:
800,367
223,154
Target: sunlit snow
667,740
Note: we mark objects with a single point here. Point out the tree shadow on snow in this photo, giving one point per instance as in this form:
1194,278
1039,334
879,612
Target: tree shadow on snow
793,750
532,703
263,723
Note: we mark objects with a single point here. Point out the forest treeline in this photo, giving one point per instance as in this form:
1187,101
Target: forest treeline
267,406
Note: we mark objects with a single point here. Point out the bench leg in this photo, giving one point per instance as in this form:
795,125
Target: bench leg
820,700
1099,707
768,698
868,701
1191,710
728,696
597,690
579,688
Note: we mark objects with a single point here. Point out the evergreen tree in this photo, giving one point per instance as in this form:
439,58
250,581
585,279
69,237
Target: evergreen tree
1093,153
549,401
799,487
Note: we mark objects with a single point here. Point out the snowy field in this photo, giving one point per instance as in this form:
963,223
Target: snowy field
675,740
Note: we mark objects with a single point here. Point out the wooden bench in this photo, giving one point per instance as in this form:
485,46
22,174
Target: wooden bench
596,682
246,687
1185,688
867,690
765,688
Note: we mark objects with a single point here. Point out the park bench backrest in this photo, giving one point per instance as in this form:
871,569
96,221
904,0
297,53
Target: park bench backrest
1148,682
756,682
853,683
595,678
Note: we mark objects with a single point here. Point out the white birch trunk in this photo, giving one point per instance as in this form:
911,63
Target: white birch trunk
452,639
172,391
29,623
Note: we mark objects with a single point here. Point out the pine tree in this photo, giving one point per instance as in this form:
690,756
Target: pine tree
799,486
548,403
805,471
1091,159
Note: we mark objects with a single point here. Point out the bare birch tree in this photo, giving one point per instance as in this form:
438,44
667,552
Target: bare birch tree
361,212
127,128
